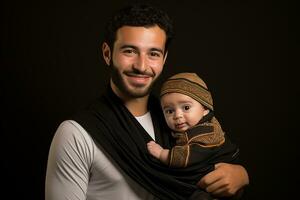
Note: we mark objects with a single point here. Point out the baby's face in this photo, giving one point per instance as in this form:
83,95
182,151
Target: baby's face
181,111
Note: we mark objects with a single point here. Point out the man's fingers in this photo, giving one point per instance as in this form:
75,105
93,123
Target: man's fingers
218,165
217,185
209,179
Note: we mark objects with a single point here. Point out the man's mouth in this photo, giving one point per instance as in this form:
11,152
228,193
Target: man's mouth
138,79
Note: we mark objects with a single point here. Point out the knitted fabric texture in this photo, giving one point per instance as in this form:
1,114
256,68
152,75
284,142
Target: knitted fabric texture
189,84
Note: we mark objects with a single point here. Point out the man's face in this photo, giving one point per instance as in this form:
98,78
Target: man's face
137,59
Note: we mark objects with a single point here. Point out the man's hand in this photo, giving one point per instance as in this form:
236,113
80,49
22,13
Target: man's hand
225,181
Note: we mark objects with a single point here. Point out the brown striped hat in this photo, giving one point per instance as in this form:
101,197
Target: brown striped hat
189,84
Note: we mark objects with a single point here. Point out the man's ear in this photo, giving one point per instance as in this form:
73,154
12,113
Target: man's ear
166,55
106,53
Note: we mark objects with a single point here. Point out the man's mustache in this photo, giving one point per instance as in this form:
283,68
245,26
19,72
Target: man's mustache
136,72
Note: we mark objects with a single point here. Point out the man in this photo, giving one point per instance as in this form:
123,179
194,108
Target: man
101,153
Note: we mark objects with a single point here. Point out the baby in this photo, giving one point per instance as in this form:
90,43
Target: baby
199,139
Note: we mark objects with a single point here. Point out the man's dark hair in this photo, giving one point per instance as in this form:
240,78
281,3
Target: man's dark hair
138,15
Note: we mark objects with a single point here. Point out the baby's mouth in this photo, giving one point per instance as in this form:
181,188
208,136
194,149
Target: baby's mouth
180,125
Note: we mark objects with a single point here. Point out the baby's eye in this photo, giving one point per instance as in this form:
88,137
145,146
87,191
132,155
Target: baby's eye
168,111
187,107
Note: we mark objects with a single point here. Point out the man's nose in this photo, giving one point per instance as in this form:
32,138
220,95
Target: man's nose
141,63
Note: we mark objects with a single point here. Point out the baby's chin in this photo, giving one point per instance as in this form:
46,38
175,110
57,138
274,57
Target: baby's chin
181,130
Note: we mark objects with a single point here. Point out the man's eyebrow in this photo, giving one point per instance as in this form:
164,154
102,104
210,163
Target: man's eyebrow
128,46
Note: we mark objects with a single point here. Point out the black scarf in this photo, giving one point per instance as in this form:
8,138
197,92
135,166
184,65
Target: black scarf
115,129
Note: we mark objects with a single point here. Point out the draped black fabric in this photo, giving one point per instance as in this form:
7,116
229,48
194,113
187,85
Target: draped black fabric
115,129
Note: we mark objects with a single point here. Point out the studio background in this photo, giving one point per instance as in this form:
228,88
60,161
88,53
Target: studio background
51,66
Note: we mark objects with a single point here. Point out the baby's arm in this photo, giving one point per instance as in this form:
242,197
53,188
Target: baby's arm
158,152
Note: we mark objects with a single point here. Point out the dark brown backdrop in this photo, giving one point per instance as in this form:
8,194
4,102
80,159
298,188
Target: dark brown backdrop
51,65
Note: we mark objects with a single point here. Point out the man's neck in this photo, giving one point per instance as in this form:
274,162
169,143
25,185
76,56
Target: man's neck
137,106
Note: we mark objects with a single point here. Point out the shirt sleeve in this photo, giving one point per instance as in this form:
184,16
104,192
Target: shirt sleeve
69,161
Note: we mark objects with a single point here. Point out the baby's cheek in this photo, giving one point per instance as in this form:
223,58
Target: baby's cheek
170,123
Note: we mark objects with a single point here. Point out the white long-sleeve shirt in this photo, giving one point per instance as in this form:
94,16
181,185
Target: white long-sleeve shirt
80,169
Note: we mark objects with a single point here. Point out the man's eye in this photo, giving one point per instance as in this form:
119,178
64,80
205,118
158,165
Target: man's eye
155,54
129,51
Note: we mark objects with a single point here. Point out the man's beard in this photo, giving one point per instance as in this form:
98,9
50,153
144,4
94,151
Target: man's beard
121,85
